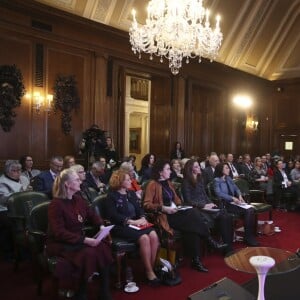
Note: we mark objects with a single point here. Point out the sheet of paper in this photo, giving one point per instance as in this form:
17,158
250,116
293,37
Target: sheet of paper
104,232
184,207
211,209
244,205
141,227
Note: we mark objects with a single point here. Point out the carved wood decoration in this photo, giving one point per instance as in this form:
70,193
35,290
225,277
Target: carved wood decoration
11,91
66,99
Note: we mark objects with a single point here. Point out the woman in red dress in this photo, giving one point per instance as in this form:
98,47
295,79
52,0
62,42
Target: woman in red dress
68,212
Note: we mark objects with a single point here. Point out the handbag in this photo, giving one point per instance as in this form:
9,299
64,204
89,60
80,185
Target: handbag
266,228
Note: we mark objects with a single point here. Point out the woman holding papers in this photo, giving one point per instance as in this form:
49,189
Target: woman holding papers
161,198
227,190
67,213
193,192
123,210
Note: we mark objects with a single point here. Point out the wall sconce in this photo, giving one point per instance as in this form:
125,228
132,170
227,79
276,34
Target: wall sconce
252,123
41,102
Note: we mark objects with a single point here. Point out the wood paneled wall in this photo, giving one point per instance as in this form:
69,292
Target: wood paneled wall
194,107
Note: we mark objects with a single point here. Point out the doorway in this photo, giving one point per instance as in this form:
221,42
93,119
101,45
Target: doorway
137,117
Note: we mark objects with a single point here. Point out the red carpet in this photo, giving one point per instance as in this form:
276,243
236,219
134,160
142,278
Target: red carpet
20,285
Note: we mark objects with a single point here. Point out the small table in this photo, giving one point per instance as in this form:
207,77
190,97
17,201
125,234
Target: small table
266,260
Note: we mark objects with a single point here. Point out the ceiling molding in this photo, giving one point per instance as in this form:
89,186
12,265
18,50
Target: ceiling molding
261,37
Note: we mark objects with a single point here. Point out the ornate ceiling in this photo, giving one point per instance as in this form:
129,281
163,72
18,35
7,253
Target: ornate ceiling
261,37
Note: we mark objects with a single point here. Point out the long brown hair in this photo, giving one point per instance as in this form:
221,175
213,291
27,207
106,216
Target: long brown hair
188,172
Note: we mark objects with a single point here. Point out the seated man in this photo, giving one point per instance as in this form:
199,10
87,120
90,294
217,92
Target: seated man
93,177
44,181
12,181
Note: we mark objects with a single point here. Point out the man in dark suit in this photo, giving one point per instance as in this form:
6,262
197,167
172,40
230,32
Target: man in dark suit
93,177
44,181
208,172
232,166
246,167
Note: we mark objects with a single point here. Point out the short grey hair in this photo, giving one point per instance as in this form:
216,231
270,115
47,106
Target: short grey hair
126,166
98,165
10,164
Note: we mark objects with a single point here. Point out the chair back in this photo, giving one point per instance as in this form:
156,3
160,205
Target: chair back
243,186
38,219
99,206
212,195
21,204
92,193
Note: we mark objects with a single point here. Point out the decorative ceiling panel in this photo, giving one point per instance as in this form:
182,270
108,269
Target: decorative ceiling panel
261,37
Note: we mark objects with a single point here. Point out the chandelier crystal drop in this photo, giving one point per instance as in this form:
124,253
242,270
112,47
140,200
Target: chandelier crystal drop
176,30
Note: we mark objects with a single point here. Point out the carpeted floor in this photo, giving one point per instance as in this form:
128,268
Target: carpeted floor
20,285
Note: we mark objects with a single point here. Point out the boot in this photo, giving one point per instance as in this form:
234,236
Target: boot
81,293
215,245
197,265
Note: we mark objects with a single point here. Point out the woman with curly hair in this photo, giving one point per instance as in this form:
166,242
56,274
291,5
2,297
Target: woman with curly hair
147,163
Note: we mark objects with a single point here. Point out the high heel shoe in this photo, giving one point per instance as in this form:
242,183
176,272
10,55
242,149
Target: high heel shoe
214,244
197,265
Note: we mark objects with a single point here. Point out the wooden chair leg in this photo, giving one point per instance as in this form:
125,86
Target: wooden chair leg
119,258
271,214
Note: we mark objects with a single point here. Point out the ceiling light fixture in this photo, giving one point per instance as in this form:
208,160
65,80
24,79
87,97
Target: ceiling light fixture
176,30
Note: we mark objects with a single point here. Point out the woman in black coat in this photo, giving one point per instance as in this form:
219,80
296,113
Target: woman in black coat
177,152
194,194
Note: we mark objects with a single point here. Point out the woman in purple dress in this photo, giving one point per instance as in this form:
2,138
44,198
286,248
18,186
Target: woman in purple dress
68,212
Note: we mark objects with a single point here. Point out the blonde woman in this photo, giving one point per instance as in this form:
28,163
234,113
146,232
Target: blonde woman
67,214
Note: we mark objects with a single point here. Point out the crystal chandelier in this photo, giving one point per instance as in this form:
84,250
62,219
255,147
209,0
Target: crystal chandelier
176,30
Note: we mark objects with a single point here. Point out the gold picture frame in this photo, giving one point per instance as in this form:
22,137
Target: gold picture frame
135,140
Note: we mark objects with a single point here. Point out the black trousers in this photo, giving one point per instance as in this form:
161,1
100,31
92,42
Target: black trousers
247,214
193,227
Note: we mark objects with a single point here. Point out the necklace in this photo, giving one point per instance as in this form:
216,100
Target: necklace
79,216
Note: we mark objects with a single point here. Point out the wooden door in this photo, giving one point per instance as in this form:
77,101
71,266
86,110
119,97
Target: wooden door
160,116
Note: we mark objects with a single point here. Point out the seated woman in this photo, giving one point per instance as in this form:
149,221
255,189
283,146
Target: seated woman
146,169
27,167
12,181
176,170
84,188
69,161
128,168
160,197
123,210
194,194
259,175
67,213
227,190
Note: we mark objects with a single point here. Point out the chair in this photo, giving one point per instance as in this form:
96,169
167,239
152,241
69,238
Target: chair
250,194
38,224
42,264
20,205
212,195
92,193
120,247
259,207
